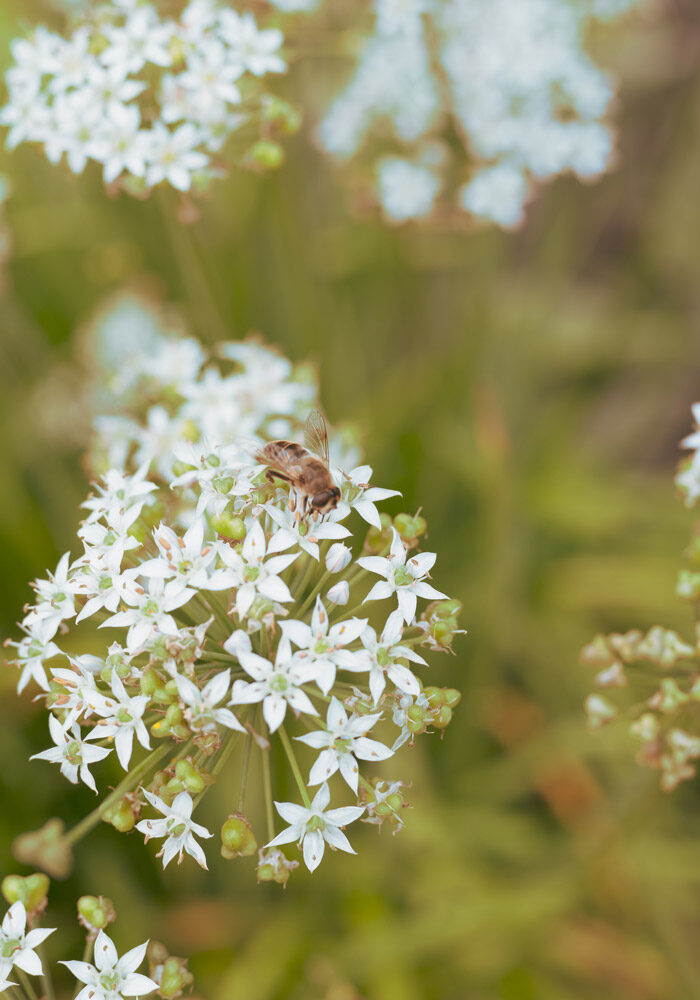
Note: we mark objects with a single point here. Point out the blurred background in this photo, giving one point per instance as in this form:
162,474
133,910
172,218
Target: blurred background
529,391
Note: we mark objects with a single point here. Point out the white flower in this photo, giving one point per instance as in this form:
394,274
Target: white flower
200,704
339,593
36,647
119,491
186,559
293,532
384,655
151,611
341,742
322,647
177,827
254,50
112,977
338,557
121,717
173,156
252,574
358,495
140,40
498,193
120,143
17,944
275,686
316,826
72,753
403,577
406,190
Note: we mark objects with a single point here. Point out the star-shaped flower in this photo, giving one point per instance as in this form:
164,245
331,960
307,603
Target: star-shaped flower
17,944
72,753
316,826
111,977
177,827
341,743
323,647
402,576
275,686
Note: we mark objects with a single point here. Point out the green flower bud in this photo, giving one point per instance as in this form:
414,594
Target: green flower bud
377,541
688,585
192,780
229,526
280,114
265,155
266,873
443,717
417,722
46,848
31,890
443,632
597,653
95,912
175,978
121,815
237,838
446,609
410,528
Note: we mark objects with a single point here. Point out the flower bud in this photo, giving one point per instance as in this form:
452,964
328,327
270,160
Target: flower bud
274,866
95,912
669,697
229,526
597,653
338,557
688,586
265,155
175,977
280,114
191,779
376,541
31,890
121,815
442,718
339,593
237,838
599,711
46,848
410,528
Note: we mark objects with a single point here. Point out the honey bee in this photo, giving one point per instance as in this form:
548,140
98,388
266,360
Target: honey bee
304,468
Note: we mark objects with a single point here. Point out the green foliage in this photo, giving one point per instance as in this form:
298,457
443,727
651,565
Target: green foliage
529,390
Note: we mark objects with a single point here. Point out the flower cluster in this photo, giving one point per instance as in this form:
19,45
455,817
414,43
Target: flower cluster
657,674
235,615
106,977
499,94
151,99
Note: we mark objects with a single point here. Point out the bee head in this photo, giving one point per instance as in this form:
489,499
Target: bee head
326,500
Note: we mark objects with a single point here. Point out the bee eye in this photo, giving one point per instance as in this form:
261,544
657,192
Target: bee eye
328,498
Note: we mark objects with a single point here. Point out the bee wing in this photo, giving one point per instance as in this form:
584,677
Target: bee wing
316,435
278,459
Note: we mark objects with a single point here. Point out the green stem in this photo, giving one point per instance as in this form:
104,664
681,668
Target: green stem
291,757
312,595
132,778
46,974
198,290
244,773
26,985
267,791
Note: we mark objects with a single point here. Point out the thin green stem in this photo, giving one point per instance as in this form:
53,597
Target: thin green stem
26,984
291,757
46,974
194,278
132,779
312,595
244,773
267,792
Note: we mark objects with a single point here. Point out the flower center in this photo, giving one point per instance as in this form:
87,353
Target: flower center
321,646
315,824
8,946
402,578
383,658
279,683
252,573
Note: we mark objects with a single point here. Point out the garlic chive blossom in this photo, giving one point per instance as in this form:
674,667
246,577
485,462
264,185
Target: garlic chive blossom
151,99
225,624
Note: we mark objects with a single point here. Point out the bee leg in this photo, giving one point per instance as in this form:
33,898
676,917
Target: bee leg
315,516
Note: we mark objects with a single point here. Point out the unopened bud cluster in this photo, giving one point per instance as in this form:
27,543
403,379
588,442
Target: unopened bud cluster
650,681
232,618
